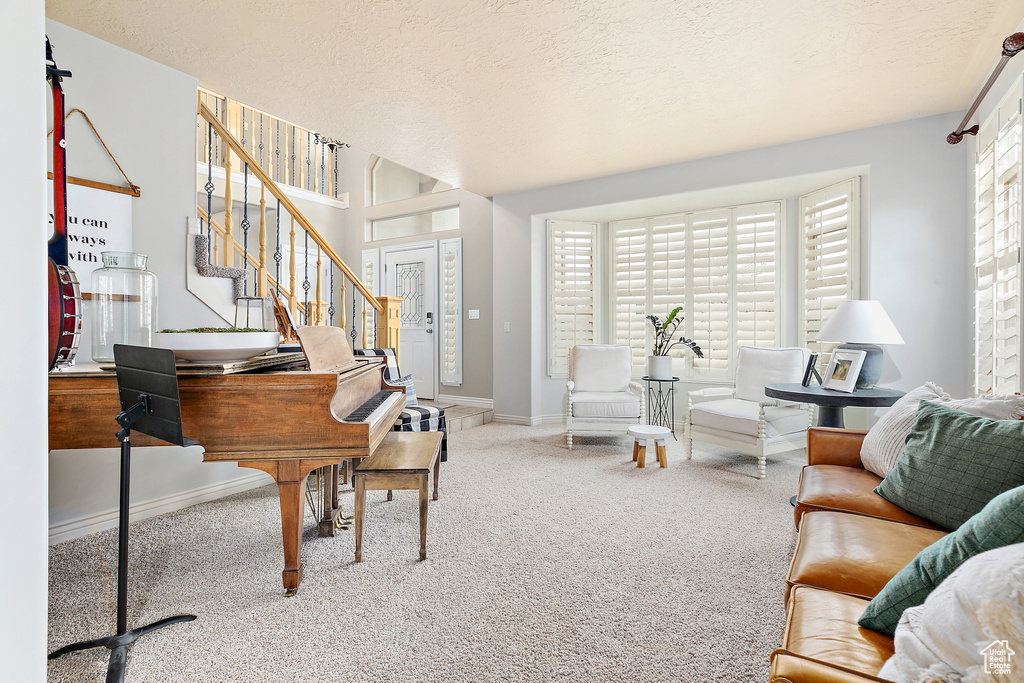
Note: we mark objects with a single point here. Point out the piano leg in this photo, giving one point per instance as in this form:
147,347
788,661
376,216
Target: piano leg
290,476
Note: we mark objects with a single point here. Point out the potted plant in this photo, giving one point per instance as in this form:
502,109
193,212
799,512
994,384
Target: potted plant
659,363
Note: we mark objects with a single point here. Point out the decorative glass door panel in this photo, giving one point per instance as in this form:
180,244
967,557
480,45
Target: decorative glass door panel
410,271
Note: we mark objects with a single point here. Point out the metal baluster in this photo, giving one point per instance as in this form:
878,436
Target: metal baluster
277,151
309,167
245,228
331,309
277,253
263,163
209,195
292,299
260,289
323,176
334,156
305,282
352,322
318,317
291,164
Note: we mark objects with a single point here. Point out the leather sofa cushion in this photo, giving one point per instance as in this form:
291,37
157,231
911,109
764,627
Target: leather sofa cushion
787,668
740,417
853,554
603,404
822,625
849,489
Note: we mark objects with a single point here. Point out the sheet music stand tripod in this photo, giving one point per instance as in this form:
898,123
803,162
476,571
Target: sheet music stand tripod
148,388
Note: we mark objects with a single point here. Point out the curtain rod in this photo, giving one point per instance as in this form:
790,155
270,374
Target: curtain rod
1011,46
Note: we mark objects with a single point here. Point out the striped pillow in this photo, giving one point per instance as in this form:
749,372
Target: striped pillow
884,442
410,388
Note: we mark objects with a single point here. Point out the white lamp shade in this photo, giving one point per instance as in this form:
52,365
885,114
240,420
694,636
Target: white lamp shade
860,322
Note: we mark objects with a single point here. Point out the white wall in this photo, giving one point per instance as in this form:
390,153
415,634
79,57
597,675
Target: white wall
917,224
23,399
146,114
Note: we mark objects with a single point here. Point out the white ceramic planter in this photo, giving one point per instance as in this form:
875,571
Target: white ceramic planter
659,367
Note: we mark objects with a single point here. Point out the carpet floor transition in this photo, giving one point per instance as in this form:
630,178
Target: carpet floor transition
543,564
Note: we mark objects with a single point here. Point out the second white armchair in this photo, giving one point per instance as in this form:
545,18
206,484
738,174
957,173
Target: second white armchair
744,418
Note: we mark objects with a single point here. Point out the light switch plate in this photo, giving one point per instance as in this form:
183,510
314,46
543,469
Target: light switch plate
474,314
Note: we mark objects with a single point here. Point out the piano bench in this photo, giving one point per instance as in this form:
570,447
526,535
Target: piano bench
402,461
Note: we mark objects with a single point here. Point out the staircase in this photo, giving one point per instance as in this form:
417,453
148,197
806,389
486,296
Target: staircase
274,251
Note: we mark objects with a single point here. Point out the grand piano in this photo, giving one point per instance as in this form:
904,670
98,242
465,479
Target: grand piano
286,423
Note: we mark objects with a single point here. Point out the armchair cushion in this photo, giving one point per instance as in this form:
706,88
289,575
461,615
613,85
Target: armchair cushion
740,417
601,367
605,404
757,367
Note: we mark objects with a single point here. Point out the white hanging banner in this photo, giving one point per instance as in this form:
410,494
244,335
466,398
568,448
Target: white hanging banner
98,221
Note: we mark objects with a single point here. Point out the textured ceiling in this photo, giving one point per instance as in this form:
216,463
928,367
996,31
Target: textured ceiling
502,95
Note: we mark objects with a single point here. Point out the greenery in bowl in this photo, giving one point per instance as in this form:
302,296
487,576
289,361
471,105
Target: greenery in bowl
664,332
218,329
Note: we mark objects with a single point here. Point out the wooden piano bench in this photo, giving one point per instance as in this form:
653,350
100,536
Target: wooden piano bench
402,461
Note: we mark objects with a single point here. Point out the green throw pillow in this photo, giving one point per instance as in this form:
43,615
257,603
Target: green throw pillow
999,524
953,464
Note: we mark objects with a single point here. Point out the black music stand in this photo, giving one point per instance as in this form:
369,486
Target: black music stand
148,388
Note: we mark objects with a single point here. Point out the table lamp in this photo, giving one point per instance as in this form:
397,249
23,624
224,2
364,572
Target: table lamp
862,325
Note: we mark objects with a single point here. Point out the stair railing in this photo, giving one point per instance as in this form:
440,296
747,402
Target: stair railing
380,320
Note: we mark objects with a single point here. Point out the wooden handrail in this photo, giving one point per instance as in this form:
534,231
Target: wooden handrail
237,148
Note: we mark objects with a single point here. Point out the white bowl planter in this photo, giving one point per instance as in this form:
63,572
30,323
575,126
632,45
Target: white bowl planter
216,347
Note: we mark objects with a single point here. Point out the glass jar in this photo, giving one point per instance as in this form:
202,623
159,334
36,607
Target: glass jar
123,304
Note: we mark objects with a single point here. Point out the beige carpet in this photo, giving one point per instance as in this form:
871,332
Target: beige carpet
542,565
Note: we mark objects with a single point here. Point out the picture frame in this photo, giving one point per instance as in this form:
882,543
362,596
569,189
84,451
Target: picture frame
843,370
811,371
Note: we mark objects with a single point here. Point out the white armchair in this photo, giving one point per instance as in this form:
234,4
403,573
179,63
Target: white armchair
744,418
601,393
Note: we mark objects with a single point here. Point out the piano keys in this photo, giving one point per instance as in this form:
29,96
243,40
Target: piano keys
284,423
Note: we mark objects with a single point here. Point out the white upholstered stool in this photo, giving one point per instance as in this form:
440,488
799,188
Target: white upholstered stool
640,434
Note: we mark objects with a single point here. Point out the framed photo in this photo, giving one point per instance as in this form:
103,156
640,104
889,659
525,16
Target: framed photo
843,370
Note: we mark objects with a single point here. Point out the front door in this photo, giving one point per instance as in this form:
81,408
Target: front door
410,272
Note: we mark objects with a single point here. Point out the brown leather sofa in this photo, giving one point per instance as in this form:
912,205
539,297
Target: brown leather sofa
851,542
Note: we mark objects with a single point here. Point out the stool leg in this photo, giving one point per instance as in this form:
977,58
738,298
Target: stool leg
389,494
636,448
641,454
662,457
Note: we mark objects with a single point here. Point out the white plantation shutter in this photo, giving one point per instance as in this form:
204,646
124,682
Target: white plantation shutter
829,232
757,283
451,311
571,310
371,278
668,273
997,250
707,312
630,305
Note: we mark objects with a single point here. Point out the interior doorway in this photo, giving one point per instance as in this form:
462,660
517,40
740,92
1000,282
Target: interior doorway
410,271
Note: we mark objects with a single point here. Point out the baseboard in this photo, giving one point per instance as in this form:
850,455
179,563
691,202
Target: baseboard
513,420
83,526
549,419
470,401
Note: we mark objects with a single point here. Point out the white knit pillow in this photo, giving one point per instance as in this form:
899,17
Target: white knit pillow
884,442
972,615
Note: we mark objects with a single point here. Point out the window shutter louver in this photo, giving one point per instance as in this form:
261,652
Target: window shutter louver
708,315
571,314
757,292
997,250
630,297
451,311
828,220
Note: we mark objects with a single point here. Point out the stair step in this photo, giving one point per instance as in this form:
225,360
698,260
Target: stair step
459,417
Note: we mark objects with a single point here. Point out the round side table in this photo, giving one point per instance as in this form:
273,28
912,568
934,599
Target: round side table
661,402
831,402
